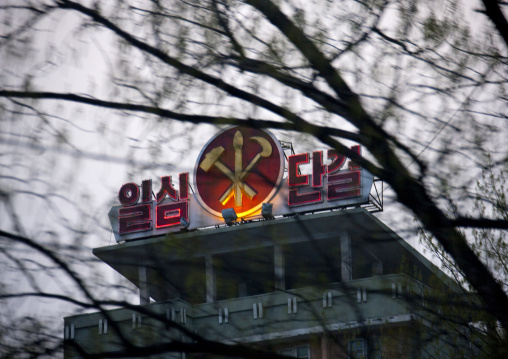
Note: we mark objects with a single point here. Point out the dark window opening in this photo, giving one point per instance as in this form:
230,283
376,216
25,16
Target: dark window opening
244,273
183,279
302,351
312,263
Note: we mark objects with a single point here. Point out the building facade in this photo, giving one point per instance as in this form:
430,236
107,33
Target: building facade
316,275
337,284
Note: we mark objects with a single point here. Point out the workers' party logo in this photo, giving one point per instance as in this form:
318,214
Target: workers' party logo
239,168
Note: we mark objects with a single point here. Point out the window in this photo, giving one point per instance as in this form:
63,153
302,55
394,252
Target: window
297,352
357,349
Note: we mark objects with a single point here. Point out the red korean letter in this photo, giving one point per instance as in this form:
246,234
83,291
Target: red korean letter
184,185
134,219
166,188
344,185
295,179
337,161
169,214
318,169
128,194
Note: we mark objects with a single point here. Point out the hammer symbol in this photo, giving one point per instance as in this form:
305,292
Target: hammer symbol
212,158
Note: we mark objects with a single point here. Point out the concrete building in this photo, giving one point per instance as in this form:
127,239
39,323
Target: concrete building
308,271
334,284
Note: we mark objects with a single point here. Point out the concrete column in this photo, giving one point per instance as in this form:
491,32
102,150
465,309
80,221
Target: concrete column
278,261
346,257
377,268
377,263
144,291
325,346
211,284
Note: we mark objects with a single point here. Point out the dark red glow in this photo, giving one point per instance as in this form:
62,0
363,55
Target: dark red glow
353,165
184,185
134,219
344,185
170,214
318,169
146,190
337,161
295,199
261,180
294,161
128,194
166,189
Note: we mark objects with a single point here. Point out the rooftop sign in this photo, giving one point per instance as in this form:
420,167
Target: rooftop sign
240,168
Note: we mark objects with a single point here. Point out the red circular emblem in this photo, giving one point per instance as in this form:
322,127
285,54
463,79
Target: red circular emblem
239,168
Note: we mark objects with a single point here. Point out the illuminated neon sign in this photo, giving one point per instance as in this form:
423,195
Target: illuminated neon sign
134,217
240,168
340,185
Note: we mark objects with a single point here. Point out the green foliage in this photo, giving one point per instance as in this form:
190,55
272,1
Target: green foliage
435,30
491,246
